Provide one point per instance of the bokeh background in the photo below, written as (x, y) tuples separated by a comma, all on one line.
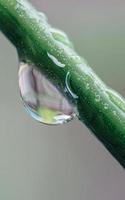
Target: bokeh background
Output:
[(63, 162)]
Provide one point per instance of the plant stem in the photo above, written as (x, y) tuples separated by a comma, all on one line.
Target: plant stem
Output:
[(99, 107)]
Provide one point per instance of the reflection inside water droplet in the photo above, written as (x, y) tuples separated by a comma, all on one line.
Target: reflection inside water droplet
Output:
[(41, 99)]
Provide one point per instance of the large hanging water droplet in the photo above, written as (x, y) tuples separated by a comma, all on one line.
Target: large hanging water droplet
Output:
[(41, 99)]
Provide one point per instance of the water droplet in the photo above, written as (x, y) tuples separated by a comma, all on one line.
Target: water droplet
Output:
[(57, 62), (98, 98), (117, 99), (68, 86), (105, 106), (87, 86), (115, 113), (41, 99), (61, 37)]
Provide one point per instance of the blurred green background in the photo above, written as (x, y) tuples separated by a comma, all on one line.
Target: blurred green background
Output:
[(63, 162)]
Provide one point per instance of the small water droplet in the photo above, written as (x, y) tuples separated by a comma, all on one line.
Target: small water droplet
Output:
[(61, 37), (97, 98), (87, 86), (114, 112), (68, 86), (41, 99), (106, 106), (57, 62)]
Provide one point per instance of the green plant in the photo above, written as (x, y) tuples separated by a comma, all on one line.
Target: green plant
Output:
[(98, 106)]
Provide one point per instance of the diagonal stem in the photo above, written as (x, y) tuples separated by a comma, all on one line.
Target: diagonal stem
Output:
[(98, 106)]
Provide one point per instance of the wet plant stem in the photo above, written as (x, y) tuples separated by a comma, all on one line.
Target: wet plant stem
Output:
[(98, 106)]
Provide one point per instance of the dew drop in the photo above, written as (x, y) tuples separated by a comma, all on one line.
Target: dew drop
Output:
[(41, 99), (57, 62), (115, 113), (68, 86), (98, 98), (87, 86), (105, 106)]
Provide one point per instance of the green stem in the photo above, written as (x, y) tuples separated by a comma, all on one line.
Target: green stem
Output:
[(99, 107)]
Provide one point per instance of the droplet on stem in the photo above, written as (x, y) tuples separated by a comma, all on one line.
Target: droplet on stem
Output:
[(68, 86), (41, 99)]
